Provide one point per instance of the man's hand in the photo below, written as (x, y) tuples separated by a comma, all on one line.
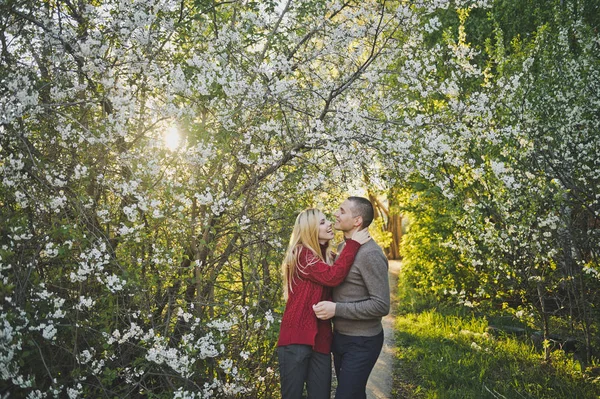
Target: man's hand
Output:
[(324, 310)]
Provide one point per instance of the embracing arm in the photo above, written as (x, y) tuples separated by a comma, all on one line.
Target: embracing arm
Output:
[(312, 268)]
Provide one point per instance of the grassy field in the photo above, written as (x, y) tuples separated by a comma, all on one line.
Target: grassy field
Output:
[(442, 354)]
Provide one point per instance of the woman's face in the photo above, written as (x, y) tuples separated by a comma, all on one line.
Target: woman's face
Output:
[(325, 229)]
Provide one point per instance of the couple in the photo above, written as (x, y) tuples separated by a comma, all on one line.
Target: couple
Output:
[(357, 282)]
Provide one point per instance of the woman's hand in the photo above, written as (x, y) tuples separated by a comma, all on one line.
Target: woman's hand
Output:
[(361, 236), (324, 310)]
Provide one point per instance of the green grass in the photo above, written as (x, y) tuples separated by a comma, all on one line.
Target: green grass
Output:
[(446, 355)]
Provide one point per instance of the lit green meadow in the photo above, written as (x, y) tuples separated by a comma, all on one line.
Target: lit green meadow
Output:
[(442, 355)]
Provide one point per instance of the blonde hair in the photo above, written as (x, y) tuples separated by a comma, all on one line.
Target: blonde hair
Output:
[(305, 234)]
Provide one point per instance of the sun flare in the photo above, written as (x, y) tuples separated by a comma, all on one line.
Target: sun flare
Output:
[(171, 138)]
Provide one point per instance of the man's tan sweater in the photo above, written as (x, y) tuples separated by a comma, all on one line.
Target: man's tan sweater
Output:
[(364, 296)]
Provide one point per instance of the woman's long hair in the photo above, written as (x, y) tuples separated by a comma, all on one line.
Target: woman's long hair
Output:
[(305, 233)]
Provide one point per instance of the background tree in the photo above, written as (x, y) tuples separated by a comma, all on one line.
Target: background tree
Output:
[(503, 163)]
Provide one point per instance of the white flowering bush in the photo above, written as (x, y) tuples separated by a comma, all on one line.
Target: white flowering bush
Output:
[(503, 196), (153, 155)]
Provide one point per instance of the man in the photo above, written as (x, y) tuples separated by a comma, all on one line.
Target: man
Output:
[(359, 304)]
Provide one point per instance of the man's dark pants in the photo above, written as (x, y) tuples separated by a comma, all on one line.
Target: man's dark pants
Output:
[(354, 358)]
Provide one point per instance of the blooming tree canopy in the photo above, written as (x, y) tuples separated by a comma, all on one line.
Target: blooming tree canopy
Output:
[(153, 155)]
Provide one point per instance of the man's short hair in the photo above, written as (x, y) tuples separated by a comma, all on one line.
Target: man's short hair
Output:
[(362, 207)]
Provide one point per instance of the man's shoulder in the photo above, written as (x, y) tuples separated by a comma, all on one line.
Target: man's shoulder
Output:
[(369, 247), (369, 251)]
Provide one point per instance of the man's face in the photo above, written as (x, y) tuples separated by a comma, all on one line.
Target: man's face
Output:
[(344, 220)]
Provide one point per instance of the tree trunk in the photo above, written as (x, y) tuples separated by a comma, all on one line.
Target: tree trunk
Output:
[(393, 223), (395, 227), (545, 322)]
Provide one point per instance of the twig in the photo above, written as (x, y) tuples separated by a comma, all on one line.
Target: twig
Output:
[(44, 361), (494, 393)]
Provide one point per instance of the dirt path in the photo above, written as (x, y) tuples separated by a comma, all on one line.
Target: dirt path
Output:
[(380, 381)]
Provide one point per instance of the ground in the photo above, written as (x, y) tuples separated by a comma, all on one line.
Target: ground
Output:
[(380, 381)]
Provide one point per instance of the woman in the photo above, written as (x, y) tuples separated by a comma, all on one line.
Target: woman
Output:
[(308, 275)]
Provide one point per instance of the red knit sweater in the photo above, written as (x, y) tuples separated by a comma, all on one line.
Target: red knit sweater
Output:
[(313, 284)]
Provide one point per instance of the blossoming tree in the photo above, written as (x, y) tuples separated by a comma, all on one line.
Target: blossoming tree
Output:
[(154, 155)]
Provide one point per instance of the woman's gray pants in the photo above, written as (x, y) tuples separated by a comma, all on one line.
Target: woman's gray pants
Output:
[(299, 364)]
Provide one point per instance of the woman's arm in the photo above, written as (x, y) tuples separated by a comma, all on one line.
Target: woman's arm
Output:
[(314, 269)]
